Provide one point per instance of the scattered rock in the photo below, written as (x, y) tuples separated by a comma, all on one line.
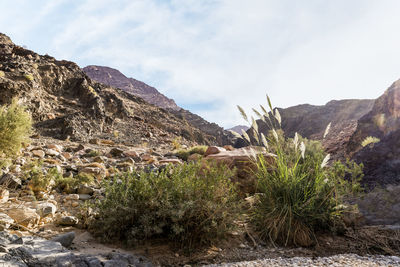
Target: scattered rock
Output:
[(213, 150), (85, 189), (171, 161), (4, 195), (24, 216), (38, 153), (67, 220), (65, 239), (5, 221), (10, 180), (47, 209), (116, 152)]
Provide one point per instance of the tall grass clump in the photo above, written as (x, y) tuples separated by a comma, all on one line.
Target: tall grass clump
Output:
[(185, 153), (300, 192), (191, 205), (15, 127)]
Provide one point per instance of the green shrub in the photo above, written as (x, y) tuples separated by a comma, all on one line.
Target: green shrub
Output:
[(191, 205), (39, 179), (370, 140), (299, 192), (29, 77), (15, 127), (185, 153), (70, 183)]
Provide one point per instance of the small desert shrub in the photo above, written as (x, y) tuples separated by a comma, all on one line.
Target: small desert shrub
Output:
[(29, 77), (191, 205), (93, 153), (370, 140), (39, 179), (185, 153), (299, 192), (70, 183), (15, 127), (176, 143), (2, 74)]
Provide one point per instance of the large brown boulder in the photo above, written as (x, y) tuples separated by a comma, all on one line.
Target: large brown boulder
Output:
[(244, 160)]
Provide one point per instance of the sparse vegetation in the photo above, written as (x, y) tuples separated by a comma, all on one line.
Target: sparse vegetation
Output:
[(92, 91), (70, 183), (2, 74), (15, 127), (176, 143), (370, 140), (29, 77), (299, 192), (185, 153), (191, 205)]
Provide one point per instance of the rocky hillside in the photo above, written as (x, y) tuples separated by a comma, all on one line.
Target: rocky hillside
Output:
[(311, 121), (115, 78), (66, 103)]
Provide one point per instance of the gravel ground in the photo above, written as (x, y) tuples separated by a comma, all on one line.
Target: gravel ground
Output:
[(333, 261)]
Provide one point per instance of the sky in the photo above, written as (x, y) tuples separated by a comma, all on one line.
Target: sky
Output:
[(211, 55)]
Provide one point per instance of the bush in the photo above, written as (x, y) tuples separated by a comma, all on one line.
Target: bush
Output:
[(15, 127), (39, 179), (191, 205), (185, 153), (370, 140), (299, 193)]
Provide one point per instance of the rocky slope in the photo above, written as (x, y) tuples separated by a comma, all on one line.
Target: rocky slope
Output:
[(311, 121), (115, 78), (65, 103)]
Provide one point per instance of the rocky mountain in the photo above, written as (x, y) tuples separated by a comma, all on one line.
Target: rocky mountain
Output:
[(239, 128), (66, 103), (115, 78)]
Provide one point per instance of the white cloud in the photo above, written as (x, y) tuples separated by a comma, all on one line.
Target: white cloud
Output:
[(228, 52)]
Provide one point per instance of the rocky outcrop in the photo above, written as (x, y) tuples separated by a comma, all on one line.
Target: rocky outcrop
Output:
[(115, 78), (66, 104), (383, 119), (311, 121)]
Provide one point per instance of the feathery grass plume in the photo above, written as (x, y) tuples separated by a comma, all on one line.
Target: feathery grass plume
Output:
[(302, 149), (275, 135), (237, 135), (327, 129), (264, 141), (264, 110), (370, 140), (296, 141), (246, 136), (325, 161), (269, 104), (243, 113), (259, 115), (254, 124), (277, 116)]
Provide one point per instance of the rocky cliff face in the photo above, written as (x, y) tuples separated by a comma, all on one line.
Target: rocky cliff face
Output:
[(65, 103), (115, 78)]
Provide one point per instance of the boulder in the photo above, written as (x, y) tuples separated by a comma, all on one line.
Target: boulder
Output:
[(24, 216), (38, 153), (243, 160), (65, 239), (47, 208), (67, 220), (10, 180), (213, 150), (85, 189), (5, 221)]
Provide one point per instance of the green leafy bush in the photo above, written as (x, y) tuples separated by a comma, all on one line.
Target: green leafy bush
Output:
[(39, 179), (185, 153), (191, 205), (67, 184), (15, 127), (299, 192)]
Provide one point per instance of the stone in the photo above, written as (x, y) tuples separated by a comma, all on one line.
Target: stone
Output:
[(47, 208), (228, 147), (52, 152), (97, 172), (147, 157), (80, 147), (5, 221), (65, 239), (38, 153), (116, 152), (72, 197), (66, 155), (99, 159), (94, 141), (4, 195), (131, 154), (171, 161), (24, 216), (85, 189), (10, 180), (68, 221), (84, 197), (74, 204), (213, 150), (55, 147)]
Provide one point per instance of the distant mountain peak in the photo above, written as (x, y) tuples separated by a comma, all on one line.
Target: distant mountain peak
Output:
[(115, 78)]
